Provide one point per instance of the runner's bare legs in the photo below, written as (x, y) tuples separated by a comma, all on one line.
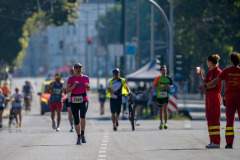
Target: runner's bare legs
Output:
[(58, 117)]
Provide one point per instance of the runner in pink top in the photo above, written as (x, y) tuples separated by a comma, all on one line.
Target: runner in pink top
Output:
[(78, 85), (80, 88)]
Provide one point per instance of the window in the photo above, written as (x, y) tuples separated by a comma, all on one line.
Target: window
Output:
[(74, 50)]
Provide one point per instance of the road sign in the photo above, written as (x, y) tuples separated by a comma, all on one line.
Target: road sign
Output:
[(130, 49), (173, 90)]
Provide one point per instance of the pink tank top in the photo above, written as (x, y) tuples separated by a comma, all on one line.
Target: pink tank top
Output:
[(80, 88)]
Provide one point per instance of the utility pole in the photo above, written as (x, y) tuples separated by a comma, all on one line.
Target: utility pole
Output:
[(86, 50), (97, 48), (170, 33), (171, 60), (138, 38), (64, 46), (152, 32), (106, 48), (124, 37)]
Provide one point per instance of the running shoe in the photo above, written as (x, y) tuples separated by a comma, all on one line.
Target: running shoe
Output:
[(58, 129), (165, 126), (213, 145), (229, 146), (0, 125), (83, 139), (19, 125), (161, 126), (114, 128), (78, 141), (117, 124), (53, 125), (72, 130)]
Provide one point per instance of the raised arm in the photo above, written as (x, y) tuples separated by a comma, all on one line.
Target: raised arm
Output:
[(70, 87), (201, 77)]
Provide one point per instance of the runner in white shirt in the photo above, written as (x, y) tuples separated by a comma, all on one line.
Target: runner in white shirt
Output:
[(17, 100), (68, 102)]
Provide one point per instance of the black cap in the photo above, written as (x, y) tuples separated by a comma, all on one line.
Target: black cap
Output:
[(115, 71), (77, 65)]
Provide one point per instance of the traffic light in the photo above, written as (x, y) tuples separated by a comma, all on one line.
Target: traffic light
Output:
[(89, 39), (179, 63)]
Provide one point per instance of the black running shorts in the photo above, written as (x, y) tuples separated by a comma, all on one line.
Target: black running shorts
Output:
[(161, 101), (67, 103), (115, 105)]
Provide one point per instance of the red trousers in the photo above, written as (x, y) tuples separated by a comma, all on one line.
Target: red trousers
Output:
[(232, 105), (213, 113)]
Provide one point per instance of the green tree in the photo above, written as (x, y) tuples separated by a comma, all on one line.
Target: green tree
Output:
[(204, 27), (201, 28), (21, 19)]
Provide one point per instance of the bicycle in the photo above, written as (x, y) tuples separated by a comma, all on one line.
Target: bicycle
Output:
[(27, 99), (131, 109)]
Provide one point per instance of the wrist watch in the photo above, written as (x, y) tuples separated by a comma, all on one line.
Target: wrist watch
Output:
[(205, 85)]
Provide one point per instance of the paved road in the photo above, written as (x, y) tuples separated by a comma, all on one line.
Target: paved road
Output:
[(183, 139)]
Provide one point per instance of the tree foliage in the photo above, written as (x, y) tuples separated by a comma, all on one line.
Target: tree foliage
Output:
[(21, 19)]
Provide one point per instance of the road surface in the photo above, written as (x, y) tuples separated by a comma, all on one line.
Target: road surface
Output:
[(36, 140)]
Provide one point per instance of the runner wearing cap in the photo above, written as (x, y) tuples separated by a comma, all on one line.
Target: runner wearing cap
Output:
[(117, 88), (56, 102), (78, 85)]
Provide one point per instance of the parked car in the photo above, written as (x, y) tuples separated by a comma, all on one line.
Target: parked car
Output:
[(44, 104)]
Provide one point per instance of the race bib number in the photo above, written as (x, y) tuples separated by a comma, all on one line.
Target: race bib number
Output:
[(57, 91), (163, 94), (77, 99)]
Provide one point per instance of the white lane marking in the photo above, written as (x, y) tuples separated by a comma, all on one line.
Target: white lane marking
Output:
[(102, 151), (102, 156), (103, 148), (105, 136)]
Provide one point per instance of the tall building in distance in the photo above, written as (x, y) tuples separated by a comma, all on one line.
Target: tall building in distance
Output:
[(53, 49)]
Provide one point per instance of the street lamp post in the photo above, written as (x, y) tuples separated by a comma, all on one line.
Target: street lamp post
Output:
[(170, 32)]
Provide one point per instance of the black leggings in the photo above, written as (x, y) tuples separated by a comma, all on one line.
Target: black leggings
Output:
[(83, 107)]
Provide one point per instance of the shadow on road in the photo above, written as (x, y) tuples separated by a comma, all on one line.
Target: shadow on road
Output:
[(47, 145), (182, 149)]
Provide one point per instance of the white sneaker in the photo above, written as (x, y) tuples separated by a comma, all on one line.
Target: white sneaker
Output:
[(58, 129), (53, 125), (212, 145)]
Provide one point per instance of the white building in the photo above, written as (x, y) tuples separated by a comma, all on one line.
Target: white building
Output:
[(52, 47)]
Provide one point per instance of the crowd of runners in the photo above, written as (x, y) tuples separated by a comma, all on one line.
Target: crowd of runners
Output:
[(77, 85)]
